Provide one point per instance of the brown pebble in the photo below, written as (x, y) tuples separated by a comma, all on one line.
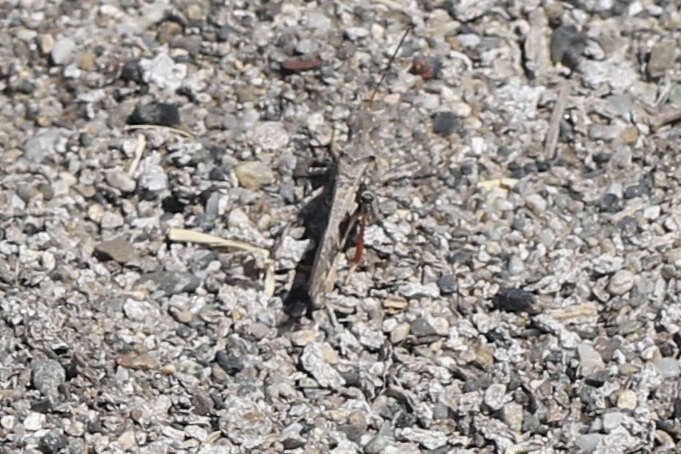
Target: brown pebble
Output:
[(629, 135), (300, 64), (142, 361), (421, 67), (117, 249), (87, 61)]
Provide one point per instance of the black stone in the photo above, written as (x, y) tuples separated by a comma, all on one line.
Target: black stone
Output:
[(602, 157), (609, 203), (132, 72), (567, 46), (514, 300), (52, 443), (229, 362), (543, 166), (155, 113), (224, 31), (217, 174), (172, 205), (445, 123), (297, 302), (628, 225), (598, 379), (293, 443), (637, 190), (218, 401), (447, 284)]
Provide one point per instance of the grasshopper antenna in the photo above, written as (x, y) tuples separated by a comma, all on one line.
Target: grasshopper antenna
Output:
[(384, 73)]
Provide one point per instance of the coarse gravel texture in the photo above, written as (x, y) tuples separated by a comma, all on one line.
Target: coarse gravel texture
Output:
[(512, 297)]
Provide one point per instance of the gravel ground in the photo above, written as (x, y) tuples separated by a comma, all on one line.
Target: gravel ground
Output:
[(520, 286)]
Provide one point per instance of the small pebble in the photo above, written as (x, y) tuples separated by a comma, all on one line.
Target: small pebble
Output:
[(513, 416), (447, 284), (271, 135), (111, 220), (589, 359), (229, 362), (135, 310), (126, 441), (303, 337), (445, 123), (47, 375), (495, 396), (514, 300), (399, 333), (63, 51), (155, 113), (46, 43), (627, 399), (117, 249), (34, 421), (567, 45), (621, 282), (121, 180), (254, 175), (53, 443), (8, 421), (662, 57), (668, 367)]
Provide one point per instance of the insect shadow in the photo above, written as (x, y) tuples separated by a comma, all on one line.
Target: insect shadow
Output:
[(314, 217)]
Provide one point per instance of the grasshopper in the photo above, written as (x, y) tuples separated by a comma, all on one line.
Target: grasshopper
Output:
[(345, 179)]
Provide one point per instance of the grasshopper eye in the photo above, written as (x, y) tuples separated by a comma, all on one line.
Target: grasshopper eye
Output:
[(366, 198)]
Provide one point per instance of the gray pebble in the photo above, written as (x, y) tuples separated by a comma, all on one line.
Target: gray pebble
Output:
[(355, 33), (135, 310), (607, 133), (589, 442), (121, 180), (47, 375), (171, 282), (651, 213), (416, 290), (399, 333), (43, 144), (254, 174), (117, 249), (589, 359), (307, 47), (314, 360), (34, 421), (271, 135), (447, 284), (111, 220), (513, 416), (612, 420), (662, 57), (668, 367), (536, 203), (153, 179), (163, 72), (621, 282), (495, 396), (429, 326), (63, 51), (515, 265)]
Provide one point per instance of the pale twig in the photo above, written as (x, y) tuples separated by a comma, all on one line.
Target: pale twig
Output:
[(141, 143), (664, 118), (554, 127), (179, 131), (190, 236)]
